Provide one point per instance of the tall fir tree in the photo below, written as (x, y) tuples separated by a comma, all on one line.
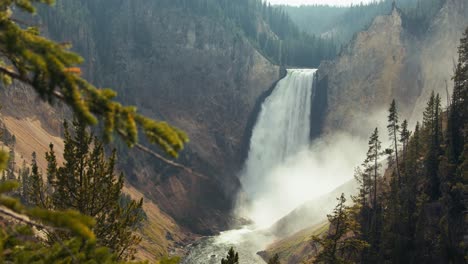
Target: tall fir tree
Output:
[(51, 169), (372, 219), (88, 184), (405, 135), (393, 130), (452, 169), (432, 127), (372, 164), (342, 243), (36, 194), (10, 175), (25, 182)]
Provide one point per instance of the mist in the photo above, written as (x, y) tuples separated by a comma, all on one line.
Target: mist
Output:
[(271, 191), (307, 175)]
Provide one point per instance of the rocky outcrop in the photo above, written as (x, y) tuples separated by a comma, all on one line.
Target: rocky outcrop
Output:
[(383, 63), (387, 62), (196, 72), (376, 67), (439, 53)]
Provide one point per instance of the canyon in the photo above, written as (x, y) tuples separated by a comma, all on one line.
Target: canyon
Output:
[(208, 79)]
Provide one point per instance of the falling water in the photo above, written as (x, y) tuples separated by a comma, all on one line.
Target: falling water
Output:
[(282, 130)]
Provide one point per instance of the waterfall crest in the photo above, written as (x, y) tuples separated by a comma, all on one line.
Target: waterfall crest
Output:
[(281, 131)]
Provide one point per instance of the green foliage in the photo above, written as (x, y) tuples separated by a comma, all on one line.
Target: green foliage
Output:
[(3, 160), (268, 27), (35, 194), (432, 123), (342, 243), (73, 237), (19, 243), (87, 183), (231, 258), (51, 69), (421, 219), (393, 130)]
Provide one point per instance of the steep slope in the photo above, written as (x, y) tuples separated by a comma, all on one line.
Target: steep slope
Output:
[(36, 124), (311, 212), (439, 52), (375, 68), (342, 22), (297, 248), (195, 71), (389, 62)]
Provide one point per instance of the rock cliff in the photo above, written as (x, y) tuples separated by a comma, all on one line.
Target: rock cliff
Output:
[(197, 72), (377, 66), (382, 63), (388, 62)]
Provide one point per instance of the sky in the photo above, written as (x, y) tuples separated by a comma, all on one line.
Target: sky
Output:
[(323, 2)]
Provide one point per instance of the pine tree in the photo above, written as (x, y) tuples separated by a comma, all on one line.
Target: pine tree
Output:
[(405, 135), (87, 183), (51, 169), (371, 216), (10, 175), (231, 258), (371, 165), (393, 242), (25, 182), (452, 169), (36, 192), (397, 215), (393, 130), (457, 110), (364, 178), (432, 125), (341, 244)]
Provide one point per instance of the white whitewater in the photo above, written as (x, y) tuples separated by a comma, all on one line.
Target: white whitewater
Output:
[(282, 131), (283, 170)]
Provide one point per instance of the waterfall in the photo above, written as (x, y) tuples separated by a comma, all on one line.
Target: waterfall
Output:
[(282, 130), (283, 171)]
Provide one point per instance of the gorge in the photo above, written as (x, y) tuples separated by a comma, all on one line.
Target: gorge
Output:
[(270, 149), (283, 170)]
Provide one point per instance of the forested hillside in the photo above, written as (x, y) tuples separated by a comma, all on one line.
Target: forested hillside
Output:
[(269, 28), (158, 160), (411, 204), (80, 213), (416, 211), (342, 23)]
